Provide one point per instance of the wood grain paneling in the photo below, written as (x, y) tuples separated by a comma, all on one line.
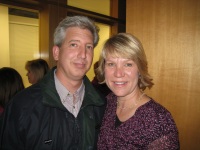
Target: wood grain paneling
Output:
[(170, 33)]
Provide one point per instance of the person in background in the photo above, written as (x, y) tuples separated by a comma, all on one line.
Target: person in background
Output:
[(132, 120), (63, 111), (10, 84), (102, 88), (36, 69)]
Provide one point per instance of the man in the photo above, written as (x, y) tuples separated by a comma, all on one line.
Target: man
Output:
[(63, 111)]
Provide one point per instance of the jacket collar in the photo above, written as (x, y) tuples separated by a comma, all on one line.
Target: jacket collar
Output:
[(51, 97)]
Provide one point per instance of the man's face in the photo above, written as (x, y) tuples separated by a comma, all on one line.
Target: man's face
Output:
[(74, 57)]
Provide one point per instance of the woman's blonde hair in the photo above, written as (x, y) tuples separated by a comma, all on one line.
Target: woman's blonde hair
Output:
[(39, 67), (127, 46)]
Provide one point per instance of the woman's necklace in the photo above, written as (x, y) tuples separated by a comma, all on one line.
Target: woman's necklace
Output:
[(123, 108)]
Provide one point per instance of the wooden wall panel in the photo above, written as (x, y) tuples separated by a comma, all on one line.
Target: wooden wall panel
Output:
[(170, 33), (50, 16)]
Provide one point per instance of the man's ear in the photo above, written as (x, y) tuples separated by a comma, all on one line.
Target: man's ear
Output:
[(56, 51)]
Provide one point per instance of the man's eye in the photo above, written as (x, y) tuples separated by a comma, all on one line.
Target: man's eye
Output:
[(73, 45), (89, 47)]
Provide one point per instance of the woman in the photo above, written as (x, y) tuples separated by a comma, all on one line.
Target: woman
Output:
[(36, 69), (132, 120), (10, 84)]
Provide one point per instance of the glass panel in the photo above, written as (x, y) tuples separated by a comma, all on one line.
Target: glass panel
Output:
[(98, 6), (24, 43), (104, 34), (19, 39)]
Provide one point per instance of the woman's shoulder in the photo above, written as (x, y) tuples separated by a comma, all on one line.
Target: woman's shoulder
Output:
[(111, 98), (153, 105), (27, 98), (155, 110)]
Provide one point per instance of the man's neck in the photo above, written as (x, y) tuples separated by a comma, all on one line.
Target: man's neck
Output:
[(70, 84)]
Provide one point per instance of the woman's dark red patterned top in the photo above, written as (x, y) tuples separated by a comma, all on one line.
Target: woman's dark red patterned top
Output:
[(152, 127)]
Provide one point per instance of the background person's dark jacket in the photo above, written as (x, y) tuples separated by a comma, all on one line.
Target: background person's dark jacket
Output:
[(36, 120)]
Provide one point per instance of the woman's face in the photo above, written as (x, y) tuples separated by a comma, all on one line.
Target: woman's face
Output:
[(121, 75), (31, 77)]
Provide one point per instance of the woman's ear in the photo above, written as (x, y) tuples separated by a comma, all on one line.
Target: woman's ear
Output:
[(56, 51)]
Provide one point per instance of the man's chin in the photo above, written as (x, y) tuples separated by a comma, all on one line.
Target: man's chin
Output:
[(79, 76)]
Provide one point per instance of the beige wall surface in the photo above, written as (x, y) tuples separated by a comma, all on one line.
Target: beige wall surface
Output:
[(170, 33), (4, 38)]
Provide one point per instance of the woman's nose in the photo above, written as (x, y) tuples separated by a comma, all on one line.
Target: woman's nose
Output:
[(119, 71)]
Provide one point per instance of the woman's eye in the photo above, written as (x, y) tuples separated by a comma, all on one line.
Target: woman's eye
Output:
[(110, 64), (128, 65)]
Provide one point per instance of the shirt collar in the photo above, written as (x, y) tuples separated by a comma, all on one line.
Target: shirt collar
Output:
[(63, 92)]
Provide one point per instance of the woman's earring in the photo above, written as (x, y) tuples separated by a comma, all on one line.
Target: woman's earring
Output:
[(140, 77)]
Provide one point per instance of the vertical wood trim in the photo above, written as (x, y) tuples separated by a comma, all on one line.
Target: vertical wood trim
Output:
[(50, 16), (114, 13)]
